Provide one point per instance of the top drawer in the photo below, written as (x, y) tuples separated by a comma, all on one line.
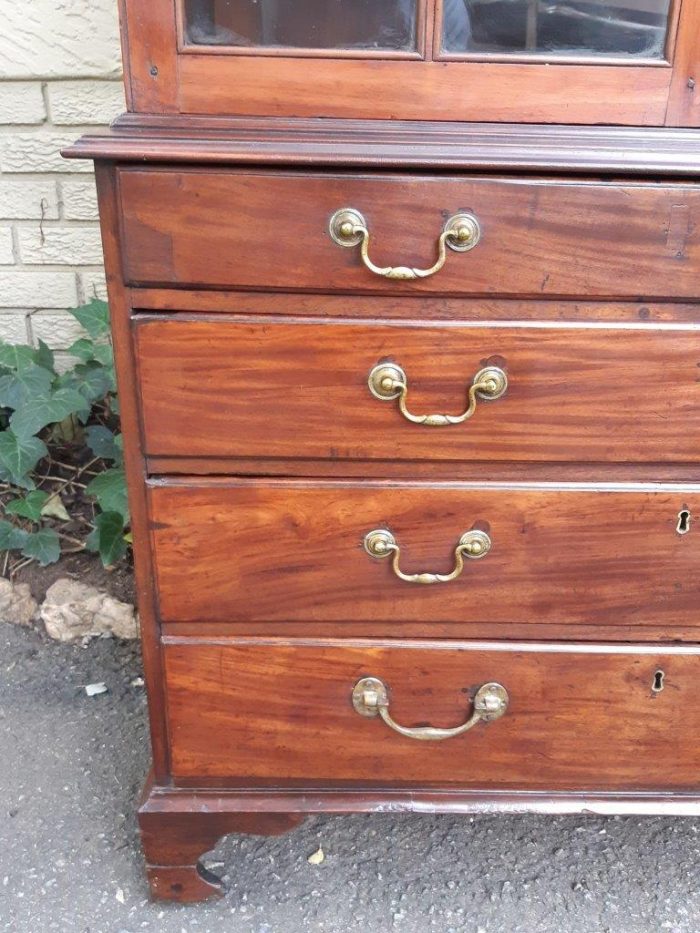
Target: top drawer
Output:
[(242, 229)]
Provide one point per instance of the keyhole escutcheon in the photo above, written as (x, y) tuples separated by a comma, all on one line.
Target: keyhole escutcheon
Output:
[(683, 526), (658, 682)]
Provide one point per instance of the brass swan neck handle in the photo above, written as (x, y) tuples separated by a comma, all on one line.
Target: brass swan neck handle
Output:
[(473, 545), (388, 381), (370, 697), (348, 229)]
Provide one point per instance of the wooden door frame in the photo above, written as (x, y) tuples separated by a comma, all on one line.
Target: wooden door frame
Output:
[(162, 79)]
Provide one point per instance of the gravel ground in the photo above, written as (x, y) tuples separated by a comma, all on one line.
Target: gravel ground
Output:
[(72, 766)]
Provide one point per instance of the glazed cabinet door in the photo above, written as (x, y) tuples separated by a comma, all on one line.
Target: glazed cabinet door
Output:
[(522, 61), (329, 26)]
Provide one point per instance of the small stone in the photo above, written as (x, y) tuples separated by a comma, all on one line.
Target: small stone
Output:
[(74, 611), (94, 690), (16, 603), (317, 858)]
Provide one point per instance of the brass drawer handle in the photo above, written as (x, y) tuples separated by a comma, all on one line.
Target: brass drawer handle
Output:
[(388, 381), (370, 697), (348, 228), (473, 545)]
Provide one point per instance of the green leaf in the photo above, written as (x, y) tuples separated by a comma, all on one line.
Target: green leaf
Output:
[(30, 507), (107, 538), (41, 410), (111, 372), (83, 349), (89, 351), (104, 443), (20, 455), (44, 546), (92, 380), (104, 354), (44, 356), (109, 488), (94, 317), (23, 385), (16, 356), (11, 538)]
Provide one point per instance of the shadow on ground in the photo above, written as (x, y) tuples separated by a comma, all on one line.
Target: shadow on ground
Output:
[(71, 768)]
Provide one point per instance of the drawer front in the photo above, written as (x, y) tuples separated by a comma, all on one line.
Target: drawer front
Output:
[(538, 237), (266, 551), (264, 389), (576, 719)]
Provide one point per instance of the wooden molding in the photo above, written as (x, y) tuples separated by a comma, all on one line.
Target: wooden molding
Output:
[(388, 144)]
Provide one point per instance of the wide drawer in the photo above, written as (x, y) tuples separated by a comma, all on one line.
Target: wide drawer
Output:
[(606, 718), (261, 388), (538, 237), (248, 550)]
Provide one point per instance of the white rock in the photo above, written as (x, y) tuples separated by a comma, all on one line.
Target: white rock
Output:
[(16, 603), (95, 690), (74, 610)]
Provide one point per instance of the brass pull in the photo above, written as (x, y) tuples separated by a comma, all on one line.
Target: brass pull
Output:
[(473, 545), (348, 229), (370, 697), (388, 381)]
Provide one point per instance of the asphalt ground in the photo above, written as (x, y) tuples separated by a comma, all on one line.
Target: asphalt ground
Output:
[(71, 768)]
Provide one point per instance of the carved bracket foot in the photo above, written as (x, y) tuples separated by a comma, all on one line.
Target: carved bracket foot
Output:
[(177, 829)]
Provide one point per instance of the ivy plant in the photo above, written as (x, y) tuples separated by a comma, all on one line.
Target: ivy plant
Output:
[(43, 411)]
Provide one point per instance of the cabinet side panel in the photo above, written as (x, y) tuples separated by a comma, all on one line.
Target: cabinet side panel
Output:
[(134, 462)]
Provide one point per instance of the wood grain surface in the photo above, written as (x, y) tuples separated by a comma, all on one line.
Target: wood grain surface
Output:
[(576, 720), (270, 388), (238, 550), (542, 238), (427, 144)]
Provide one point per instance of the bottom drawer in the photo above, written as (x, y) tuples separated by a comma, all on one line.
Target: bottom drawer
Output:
[(575, 717)]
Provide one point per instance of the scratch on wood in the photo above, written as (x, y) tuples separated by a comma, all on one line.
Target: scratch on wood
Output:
[(679, 228)]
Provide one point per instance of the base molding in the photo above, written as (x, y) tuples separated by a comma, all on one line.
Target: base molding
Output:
[(179, 825)]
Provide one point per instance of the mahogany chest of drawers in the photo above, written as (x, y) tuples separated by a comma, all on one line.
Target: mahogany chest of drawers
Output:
[(412, 418)]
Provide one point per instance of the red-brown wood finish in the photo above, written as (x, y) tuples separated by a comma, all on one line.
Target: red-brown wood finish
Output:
[(574, 394), (414, 144), (684, 99), (180, 825), (261, 551), (578, 718), (539, 237), (424, 308), (257, 459), (175, 837), (134, 464), (389, 90), (201, 80)]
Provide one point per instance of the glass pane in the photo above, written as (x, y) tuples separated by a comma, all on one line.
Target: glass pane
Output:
[(626, 28), (303, 24)]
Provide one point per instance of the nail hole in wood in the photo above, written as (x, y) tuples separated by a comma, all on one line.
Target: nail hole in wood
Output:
[(683, 526), (658, 684)]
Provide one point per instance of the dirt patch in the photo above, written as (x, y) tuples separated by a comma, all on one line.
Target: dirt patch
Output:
[(85, 567)]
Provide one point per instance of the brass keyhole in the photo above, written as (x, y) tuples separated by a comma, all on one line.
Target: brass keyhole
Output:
[(658, 684), (683, 526)]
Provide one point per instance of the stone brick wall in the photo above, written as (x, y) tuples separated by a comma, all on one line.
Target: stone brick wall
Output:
[(60, 70)]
